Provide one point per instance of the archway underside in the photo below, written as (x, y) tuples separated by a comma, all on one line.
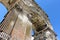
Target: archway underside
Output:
[(18, 13)]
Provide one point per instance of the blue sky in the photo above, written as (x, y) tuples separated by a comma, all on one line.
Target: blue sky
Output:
[(51, 7), (3, 11)]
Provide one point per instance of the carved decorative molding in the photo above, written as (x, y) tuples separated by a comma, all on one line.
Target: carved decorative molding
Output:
[(4, 36)]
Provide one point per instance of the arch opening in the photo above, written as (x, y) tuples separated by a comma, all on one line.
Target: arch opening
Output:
[(3, 11)]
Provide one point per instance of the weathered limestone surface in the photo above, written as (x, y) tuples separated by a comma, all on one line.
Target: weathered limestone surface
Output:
[(22, 17)]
